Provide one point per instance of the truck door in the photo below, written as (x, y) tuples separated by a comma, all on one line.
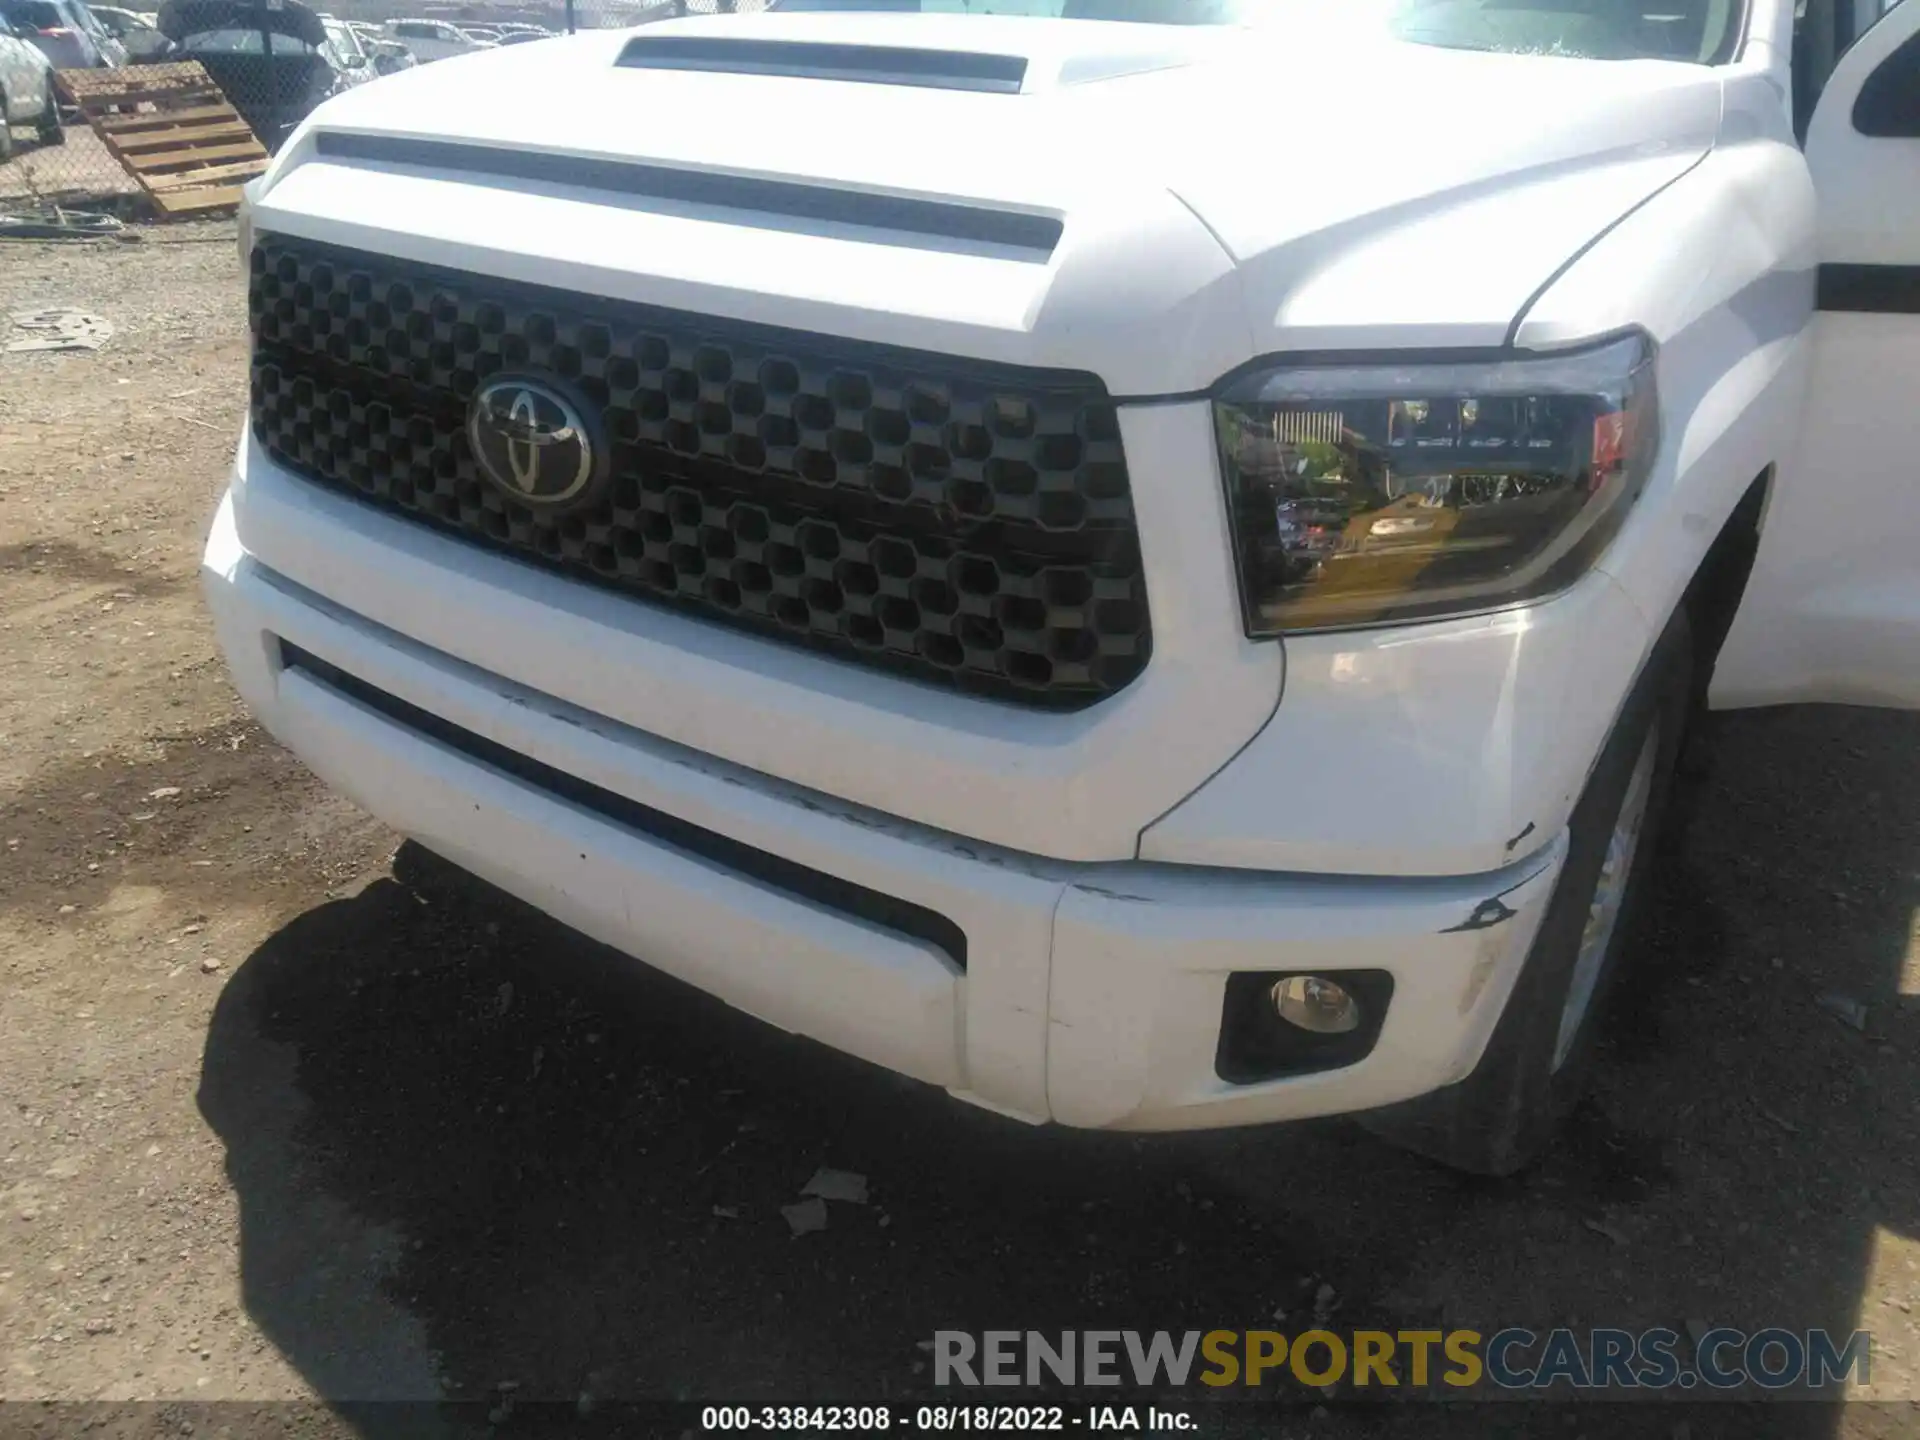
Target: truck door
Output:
[(1832, 608)]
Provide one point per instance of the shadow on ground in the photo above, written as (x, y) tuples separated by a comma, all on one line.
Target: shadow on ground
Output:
[(473, 1150)]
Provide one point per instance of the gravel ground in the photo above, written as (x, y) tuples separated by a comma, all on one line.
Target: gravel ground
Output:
[(289, 1111)]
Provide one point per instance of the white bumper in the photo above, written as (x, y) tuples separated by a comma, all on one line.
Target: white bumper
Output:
[(1091, 993)]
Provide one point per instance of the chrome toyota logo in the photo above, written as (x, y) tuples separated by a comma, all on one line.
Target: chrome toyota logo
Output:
[(533, 441)]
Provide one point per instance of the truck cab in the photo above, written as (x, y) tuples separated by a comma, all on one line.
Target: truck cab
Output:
[(1148, 563)]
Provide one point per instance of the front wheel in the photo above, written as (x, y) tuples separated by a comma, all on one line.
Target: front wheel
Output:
[(1534, 1069)]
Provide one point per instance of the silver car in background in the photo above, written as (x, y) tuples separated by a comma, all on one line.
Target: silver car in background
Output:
[(26, 92), (143, 43), (435, 39), (66, 32)]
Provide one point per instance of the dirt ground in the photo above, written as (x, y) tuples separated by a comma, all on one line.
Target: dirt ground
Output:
[(288, 1110)]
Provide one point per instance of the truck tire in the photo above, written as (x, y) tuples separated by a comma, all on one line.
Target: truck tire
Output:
[(48, 125), (1534, 1070)]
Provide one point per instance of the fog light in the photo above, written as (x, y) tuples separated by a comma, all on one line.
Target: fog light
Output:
[(1316, 1004), (1275, 1023)]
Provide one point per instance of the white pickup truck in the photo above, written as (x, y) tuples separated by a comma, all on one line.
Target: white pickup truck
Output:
[(1143, 561)]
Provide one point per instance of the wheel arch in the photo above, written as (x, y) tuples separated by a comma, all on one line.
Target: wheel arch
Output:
[(1712, 597)]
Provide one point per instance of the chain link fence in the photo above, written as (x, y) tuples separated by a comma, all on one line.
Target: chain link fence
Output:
[(143, 135)]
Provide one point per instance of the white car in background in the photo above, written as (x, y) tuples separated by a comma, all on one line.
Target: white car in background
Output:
[(138, 35), (27, 95), (386, 54), (435, 39), (352, 58)]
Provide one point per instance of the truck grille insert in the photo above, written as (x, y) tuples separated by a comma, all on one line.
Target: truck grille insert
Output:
[(962, 523)]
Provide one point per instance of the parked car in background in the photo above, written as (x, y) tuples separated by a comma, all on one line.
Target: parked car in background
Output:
[(26, 92), (66, 32), (384, 54), (481, 32), (390, 57), (521, 37), (350, 55), (274, 64), (434, 39), (138, 36)]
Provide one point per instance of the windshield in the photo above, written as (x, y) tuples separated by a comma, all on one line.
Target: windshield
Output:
[(1706, 31), (242, 42), (346, 44), (34, 16)]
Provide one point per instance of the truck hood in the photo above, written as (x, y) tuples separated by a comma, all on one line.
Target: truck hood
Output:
[(1154, 203)]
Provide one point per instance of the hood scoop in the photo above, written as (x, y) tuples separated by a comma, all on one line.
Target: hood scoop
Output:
[(821, 209), (815, 60)]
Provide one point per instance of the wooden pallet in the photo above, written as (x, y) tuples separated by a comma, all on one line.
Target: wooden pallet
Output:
[(173, 131)]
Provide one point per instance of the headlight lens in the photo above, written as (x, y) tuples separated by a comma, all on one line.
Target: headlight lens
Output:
[(1374, 494)]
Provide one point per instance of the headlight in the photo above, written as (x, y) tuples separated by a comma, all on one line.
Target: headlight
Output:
[(1369, 494)]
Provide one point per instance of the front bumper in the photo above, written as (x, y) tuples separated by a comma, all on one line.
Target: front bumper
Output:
[(1091, 994)]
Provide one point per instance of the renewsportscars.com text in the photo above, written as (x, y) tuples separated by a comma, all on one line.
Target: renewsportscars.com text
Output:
[(1507, 1359)]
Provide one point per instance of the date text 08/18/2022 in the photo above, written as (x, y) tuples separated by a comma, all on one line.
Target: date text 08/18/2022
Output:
[(996, 1419)]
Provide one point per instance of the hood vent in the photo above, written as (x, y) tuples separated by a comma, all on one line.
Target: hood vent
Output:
[(932, 223), (806, 60)]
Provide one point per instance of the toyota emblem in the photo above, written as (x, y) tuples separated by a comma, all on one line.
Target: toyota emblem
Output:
[(532, 441)]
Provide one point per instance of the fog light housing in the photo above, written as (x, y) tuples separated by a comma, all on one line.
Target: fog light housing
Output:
[(1317, 1004), (1275, 1024)]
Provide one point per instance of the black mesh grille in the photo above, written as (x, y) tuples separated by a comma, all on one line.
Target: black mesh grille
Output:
[(964, 523)]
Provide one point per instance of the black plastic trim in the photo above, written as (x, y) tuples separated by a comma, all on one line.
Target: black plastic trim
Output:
[(872, 64), (937, 218), (1505, 353), (795, 880), (1256, 1044), (1870, 289)]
